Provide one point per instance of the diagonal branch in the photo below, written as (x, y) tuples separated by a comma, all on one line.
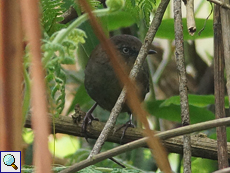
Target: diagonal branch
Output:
[(130, 90)]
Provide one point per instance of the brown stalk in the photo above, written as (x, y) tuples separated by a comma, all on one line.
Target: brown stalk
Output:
[(219, 88), (183, 88), (133, 100), (40, 124), (11, 53)]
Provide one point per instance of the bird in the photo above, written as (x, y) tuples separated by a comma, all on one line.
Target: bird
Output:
[(101, 82)]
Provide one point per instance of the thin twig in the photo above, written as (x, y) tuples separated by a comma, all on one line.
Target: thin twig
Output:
[(180, 60), (163, 64), (206, 20), (132, 98), (108, 47)]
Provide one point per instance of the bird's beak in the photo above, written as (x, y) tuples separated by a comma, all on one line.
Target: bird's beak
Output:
[(152, 51)]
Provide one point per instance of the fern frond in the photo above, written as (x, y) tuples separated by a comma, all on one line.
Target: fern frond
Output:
[(140, 9), (132, 8), (65, 53), (51, 15), (146, 8)]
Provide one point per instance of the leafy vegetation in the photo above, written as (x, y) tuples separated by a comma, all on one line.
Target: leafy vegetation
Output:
[(72, 43), (166, 29)]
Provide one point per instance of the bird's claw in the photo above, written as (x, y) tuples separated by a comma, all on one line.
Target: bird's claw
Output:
[(91, 119), (87, 120), (126, 126)]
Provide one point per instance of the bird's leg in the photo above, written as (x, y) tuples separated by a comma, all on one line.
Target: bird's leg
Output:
[(126, 125), (88, 119)]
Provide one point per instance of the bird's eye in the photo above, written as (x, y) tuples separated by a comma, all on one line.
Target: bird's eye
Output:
[(125, 50)]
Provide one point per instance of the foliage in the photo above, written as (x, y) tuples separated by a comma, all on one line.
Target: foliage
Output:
[(51, 15), (56, 146), (204, 165), (61, 44), (140, 9), (166, 30), (170, 108), (65, 54)]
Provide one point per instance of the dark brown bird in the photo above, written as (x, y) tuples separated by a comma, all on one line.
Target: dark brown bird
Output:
[(101, 82)]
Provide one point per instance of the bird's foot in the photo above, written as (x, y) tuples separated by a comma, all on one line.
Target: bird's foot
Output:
[(87, 120), (126, 126)]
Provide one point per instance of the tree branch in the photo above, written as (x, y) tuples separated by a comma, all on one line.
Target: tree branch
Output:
[(222, 4), (201, 145), (69, 15)]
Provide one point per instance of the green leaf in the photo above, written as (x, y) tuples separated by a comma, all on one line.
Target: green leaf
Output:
[(52, 11), (27, 90), (68, 60), (204, 165), (115, 5), (59, 146), (172, 112), (146, 7), (132, 8), (195, 100), (166, 29), (140, 10), (84, 50), (118, 20)]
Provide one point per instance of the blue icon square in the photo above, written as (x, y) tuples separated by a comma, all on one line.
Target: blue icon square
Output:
[(10, 161)]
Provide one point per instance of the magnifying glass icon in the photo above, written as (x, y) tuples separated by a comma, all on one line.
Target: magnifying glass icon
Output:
[(9, 160)]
